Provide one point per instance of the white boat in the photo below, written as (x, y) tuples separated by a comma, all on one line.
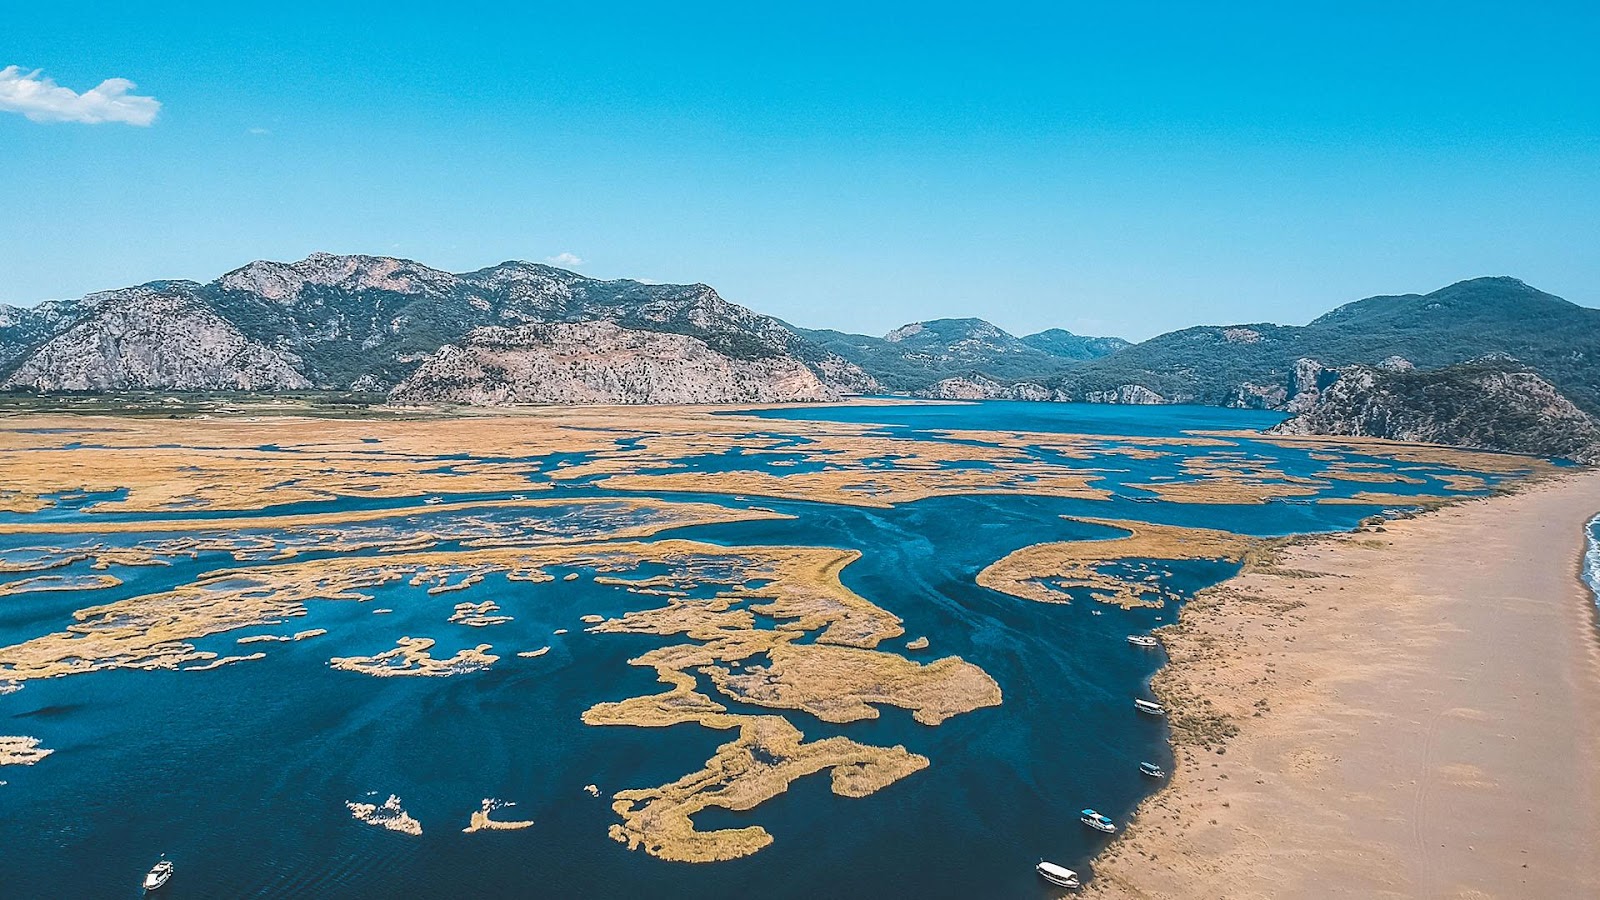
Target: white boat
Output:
[(1149, 707), (1060, 876), (1143, 640), (159, 875), (1151, 769), (1098, 822), (434, 501)]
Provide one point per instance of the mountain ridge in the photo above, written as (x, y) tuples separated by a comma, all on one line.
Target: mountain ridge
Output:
[(378, 324), (1063, 343), (367, 322), (918, 356), (1253, 365)]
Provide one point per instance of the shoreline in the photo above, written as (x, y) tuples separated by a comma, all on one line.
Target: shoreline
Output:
[(1409, 711)]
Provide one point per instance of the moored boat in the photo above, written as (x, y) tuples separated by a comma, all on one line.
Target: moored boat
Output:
[(1143, 640), (1151, 769), (1096, 821), (158, 875), (1060, 876), (1149, 707)]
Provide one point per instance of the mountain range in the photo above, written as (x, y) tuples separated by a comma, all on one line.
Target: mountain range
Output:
[(1254, 365), (358, 323), (522, 332), (917, 356), (371, 324)]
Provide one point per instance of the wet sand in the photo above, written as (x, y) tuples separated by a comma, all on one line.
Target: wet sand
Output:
[(1405, 713)]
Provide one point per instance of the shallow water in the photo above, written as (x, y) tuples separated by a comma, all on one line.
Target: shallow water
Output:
[(240, 774)]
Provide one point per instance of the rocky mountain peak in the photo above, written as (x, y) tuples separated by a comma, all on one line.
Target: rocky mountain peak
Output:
[(904, 332), (1066, 345), (917, 356), (696, 304), (516, 271), (529, 289), (284, 282), (951, 332), (1485, 302), (117, 295)]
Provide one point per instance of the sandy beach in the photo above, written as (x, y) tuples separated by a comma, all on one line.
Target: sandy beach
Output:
[(1404, 713)]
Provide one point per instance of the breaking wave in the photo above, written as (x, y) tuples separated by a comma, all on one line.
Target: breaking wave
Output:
[(1591, 559)]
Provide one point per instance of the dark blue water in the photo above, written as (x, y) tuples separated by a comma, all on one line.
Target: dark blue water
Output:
[(241, 774)]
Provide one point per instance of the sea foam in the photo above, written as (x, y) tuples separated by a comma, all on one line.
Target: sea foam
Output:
[(1591, 558)]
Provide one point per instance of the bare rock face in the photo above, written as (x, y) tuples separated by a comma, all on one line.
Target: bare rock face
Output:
[(979, 387), (1134, 394), (843, 375), (155, 337), (1490, 405), (904, 332), (601, 362), (20, 330), (1258, 396), (1306, 384)]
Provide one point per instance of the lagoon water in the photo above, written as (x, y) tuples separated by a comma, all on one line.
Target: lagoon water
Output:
[(240, 774)]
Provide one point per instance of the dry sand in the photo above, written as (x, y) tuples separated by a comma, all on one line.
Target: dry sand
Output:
[(1415, 713)]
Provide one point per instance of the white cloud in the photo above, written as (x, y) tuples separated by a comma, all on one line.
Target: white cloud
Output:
[(42, 100), (566, 260), (260, 131)]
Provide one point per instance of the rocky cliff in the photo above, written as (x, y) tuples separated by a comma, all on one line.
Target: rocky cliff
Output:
[(155, 337), (1489, 404), (601, 362), (979, 387)]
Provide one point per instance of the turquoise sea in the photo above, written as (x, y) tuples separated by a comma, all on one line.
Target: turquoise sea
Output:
[(240, 774)]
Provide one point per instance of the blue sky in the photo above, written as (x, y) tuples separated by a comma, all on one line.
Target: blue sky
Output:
[(1109, 168)]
